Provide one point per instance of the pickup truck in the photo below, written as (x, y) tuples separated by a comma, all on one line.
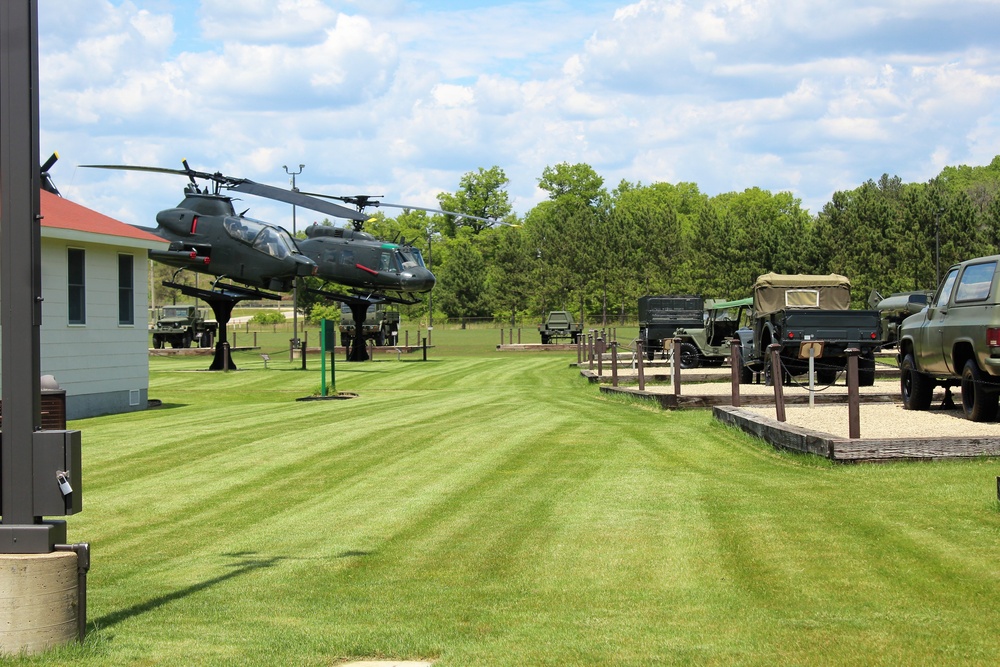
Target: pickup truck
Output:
[(955, 341), (798, 311)]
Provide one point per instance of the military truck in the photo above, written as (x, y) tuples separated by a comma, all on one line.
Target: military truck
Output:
[(704, 327), (179, 326), (381, 325), (559, 324), (800, 312), (955, 341)]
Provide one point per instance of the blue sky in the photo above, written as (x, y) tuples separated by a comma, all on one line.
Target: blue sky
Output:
[(402, 97)]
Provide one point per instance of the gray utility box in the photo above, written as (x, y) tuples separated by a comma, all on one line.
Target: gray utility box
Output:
[(56, 464)]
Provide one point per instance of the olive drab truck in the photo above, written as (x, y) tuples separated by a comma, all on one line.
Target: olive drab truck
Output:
[(801, 312), (559, 324), (955, 341), (180, 326)]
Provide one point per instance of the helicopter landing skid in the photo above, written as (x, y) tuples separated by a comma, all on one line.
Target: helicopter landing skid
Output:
[(222, 300)]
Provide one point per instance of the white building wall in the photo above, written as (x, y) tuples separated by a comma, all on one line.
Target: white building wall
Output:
[(103, 366)]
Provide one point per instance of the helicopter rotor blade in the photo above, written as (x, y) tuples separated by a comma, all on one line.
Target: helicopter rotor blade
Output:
[(297, 199), (363, 201), (190, 173)]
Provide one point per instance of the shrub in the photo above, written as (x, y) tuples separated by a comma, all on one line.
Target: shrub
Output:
[(269, 317)]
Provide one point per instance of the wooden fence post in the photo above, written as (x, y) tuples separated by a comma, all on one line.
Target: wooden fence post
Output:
[(777, 379), (853, 394), (735, 366)]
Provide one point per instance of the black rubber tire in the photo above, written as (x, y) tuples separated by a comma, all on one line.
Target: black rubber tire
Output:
[(157, 343), (979, 398), (690, 357), (545, 339), (826, 375), (746, 375), (916, 388), (866, 371), (207, 339)]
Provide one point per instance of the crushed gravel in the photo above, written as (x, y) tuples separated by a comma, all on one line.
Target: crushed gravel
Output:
[(878, 420)]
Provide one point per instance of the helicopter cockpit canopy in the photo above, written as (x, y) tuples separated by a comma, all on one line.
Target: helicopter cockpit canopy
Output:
[(268, 239), (410, 257)]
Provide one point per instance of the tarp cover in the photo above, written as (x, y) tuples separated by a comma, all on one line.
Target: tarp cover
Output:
[(775, 291)]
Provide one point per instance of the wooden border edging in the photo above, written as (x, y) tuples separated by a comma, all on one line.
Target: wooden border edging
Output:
[(844, 450), (675, 402)]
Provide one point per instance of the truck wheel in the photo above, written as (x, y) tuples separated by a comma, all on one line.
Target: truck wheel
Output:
[(157, 343), (689, 356), (866, 371), (979, 398), (188, 337), (545, 339), (206, 339), (916, 388), (746, 375), (826, 375)]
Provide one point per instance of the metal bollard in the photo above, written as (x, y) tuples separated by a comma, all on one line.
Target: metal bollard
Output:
[(853, 394), (777, 378)]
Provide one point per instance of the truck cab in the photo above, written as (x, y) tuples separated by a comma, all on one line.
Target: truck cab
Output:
[(955, 341)]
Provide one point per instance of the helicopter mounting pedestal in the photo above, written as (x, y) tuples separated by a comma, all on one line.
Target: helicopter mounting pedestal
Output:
[(222, 300)]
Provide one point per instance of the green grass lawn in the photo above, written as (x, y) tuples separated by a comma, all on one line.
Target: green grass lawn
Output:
[(489, 508)]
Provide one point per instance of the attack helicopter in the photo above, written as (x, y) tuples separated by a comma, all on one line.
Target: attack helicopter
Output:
[(206, 234)]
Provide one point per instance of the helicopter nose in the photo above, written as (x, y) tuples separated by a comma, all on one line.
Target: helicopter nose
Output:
[(418, 280), (305, 266)]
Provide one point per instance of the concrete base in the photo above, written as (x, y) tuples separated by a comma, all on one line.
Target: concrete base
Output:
[(39, 601)]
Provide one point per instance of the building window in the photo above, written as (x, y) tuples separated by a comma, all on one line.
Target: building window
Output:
[(126, 292), (76, 283)]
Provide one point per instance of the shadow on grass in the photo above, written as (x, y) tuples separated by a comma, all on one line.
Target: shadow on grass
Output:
[(156, 404), (244, 565)]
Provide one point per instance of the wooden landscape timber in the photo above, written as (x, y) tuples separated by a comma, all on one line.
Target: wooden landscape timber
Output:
[(847, 450)]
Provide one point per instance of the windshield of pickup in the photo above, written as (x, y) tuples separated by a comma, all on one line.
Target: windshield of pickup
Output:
[(945, 294), (975, 282)]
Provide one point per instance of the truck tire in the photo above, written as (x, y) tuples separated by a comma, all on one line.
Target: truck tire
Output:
[(746, 375), (157, 342), (916, 388), (690, 357), (545, 339), (979, 397), (826, 375), (206, 339), (866, 371)]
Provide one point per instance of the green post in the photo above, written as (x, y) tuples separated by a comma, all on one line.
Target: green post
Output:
[(322, 357), (327, 332)]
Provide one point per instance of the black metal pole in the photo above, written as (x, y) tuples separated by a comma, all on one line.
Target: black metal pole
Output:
[(20, 277)]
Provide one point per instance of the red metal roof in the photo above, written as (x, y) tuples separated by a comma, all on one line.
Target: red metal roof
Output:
[(63, 214)]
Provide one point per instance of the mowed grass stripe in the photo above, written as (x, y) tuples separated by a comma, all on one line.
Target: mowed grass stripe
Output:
[(497, 510)]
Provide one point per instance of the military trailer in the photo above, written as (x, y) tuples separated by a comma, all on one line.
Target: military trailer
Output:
[(381, 325), (559, 324), (803, 312), (179, 326)]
